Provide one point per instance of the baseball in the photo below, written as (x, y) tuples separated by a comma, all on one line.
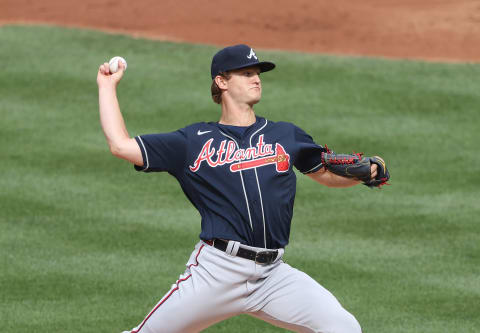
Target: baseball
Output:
[(113, 63)]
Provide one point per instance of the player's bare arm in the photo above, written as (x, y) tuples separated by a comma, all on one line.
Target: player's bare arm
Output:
[(113, 125)]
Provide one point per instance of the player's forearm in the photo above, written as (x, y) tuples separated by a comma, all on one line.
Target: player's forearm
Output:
[(111, 118), (339, 181), (330, 179)]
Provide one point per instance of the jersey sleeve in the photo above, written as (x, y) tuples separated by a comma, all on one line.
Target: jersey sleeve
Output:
[(163, 152), (309, 157)]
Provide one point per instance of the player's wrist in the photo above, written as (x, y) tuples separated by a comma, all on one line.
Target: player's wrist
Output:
[(107, 86)]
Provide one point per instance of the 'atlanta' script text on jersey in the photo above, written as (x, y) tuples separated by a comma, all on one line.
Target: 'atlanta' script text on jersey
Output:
[(246, 158)]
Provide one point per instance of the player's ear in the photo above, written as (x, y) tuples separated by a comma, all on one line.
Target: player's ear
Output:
[(221, 81)]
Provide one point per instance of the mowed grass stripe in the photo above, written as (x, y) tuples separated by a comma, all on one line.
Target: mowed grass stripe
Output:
[(87, 244)]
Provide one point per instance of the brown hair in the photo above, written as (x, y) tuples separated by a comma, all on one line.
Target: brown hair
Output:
[(216, 91)]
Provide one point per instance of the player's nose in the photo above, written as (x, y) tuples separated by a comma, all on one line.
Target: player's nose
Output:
[(256, 78)]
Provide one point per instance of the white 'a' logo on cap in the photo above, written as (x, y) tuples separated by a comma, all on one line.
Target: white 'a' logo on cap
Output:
[(252, 54)]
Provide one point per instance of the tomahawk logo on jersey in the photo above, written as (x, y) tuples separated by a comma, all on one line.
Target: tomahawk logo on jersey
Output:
[(240, 179)]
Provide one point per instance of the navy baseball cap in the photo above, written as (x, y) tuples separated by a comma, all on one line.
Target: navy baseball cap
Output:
[(237, 57)]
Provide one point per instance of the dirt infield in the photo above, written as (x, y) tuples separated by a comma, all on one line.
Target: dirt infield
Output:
[(445, 30)]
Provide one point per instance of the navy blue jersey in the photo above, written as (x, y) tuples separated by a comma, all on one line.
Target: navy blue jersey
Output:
[(241, 180)]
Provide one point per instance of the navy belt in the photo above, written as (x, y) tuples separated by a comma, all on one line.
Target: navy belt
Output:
[(261, 257)]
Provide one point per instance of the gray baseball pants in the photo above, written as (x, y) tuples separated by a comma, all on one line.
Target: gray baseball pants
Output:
[(216, 286)]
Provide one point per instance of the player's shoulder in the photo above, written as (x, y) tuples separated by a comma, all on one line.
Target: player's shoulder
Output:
[(282, 125), (288, 129)]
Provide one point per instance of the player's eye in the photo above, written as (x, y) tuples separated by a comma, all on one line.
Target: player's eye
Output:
[(251, 73)]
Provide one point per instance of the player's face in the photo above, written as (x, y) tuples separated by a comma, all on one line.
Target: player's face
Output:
[(245, 86)]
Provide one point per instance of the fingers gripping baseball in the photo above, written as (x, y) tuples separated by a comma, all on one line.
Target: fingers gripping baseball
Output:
[(111, 73)]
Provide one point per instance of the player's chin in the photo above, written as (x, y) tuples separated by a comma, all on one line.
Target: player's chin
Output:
[(255, 96), (253, 101)]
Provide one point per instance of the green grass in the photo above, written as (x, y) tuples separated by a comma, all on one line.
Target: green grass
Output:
[(87, 244)]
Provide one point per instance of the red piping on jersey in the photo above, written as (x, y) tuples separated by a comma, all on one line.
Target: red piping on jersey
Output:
[(171, 292)]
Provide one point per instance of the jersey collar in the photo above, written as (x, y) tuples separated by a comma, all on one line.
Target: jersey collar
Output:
[(230, 130)]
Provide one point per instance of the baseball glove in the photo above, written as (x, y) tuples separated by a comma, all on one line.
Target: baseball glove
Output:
[(382, 173), (356, 166)]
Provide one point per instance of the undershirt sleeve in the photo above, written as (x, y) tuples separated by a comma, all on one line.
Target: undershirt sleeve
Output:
[(309, 157), (163, 152)]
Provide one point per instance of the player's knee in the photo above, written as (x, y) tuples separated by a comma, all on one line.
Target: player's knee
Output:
[(349, 324), (339, 321), (344, 322)]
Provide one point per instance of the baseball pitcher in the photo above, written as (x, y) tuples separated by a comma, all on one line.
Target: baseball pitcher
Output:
[(238, 173)]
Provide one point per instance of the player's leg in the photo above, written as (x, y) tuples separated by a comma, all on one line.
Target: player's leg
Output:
[(297, 302), (203, 295)]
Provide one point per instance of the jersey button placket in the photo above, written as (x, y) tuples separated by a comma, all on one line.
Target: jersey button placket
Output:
[(254, 203)]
